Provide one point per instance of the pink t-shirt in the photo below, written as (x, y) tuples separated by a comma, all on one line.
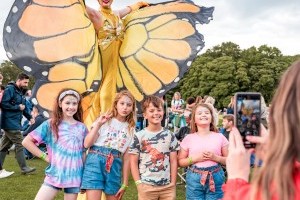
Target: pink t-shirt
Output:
[(213, 142)]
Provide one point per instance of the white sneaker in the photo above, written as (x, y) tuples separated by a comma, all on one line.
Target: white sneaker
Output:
[(4, 173)]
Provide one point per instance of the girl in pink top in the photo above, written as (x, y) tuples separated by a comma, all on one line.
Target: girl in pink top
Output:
[(202, 152)]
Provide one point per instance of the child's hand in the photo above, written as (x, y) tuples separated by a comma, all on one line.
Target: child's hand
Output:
[(199, 157), (120, 193), (207, 155), (103, 118)]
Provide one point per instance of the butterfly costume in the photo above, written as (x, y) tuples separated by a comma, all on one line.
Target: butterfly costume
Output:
[(146, 53)]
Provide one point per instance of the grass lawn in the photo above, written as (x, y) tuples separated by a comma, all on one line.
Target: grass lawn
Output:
[(25, 187)]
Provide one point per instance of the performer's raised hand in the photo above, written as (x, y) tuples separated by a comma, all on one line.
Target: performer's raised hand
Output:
[(138, 5)]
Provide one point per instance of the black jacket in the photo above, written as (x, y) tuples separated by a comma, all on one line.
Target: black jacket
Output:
[(10, 105)]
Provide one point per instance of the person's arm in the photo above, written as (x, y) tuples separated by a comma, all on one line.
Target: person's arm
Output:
[(126, 172), (134, 166), (185, 161), (7, 97), (96, 18), (125, 11), (93, 135), (173, 167), (29, 144), (216, 158)]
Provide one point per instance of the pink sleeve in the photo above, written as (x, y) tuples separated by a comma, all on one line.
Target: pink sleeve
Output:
[(224, 141), (185, 143)]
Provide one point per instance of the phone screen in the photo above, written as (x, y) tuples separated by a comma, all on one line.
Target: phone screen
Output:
[(247, 115)]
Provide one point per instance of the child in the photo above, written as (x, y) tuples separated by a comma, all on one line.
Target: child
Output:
[(153, 155), (108, 141), (64, 136), (203, 151)]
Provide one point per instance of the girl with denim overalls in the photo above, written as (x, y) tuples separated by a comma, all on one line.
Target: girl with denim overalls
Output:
[(202, 152), (108, 142)]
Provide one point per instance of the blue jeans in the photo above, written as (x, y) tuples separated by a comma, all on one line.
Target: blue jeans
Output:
[(196, 191)]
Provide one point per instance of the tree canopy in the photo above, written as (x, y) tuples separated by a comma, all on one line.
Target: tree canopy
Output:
[(226, 69)]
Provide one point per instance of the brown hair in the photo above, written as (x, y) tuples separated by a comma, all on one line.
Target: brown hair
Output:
[(193, 125), (283, 143), (229, 118), (156, 101), (57, 114), (130, 119)]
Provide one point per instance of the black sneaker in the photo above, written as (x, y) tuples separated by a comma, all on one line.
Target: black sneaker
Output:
[(27, 170)]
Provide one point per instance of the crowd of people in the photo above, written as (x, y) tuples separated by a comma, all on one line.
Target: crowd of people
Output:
[(154, 153)]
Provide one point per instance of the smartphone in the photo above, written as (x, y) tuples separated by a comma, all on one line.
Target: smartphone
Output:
[(247, 111)]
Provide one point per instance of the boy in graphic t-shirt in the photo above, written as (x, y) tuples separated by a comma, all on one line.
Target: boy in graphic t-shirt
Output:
[(153, 155)]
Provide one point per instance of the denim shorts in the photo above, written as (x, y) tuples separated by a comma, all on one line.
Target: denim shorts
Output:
[(95, 176), (196, 191), (71, 190)]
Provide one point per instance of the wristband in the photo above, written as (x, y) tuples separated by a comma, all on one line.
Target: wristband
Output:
[(124, 187), (190, 160), (138, 182), (43, 156)]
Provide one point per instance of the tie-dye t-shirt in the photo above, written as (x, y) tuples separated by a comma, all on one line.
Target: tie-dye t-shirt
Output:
[(154, 155), (65, 154), (114, 134)]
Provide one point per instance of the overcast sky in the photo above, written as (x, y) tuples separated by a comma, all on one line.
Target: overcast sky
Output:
[(244, 22)]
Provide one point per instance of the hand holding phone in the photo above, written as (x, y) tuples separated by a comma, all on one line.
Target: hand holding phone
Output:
[(247, 110)]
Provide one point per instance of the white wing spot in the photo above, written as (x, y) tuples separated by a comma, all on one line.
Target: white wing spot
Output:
[(46, 114), (176, 80), (26, 68), (44, 73), (161, 91), (8, 29), (34, 101), (189, 63), (15, 9)]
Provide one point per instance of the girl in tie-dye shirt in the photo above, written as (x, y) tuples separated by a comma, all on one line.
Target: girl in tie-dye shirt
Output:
[(64, 135)]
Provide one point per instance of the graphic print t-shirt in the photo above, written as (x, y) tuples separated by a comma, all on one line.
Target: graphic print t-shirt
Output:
[(154, 155), (114, 134)]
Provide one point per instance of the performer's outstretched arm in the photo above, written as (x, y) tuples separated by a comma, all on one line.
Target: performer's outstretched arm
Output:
[(125, 11), (96, 17)]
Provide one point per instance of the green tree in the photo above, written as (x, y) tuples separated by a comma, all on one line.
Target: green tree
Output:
[(226, 69), (10, 72)]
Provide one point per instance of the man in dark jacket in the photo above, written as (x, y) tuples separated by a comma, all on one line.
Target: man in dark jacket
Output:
[(13, 108)]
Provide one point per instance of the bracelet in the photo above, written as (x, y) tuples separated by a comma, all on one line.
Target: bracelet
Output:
[(43, 156), (190, 160), (138, 182), (124, 187)]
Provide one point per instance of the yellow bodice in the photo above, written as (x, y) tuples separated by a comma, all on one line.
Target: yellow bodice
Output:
[(111, 30)]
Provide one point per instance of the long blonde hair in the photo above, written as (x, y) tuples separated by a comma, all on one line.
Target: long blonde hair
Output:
[(212, 126), (130, 119), (283, 144)]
